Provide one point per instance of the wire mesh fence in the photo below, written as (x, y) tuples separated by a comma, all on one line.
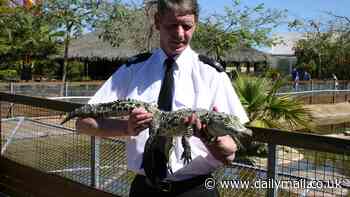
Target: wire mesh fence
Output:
[(310, 85), (321, 96), (51, 89), (313, 173), (88, 88), (31, 135)]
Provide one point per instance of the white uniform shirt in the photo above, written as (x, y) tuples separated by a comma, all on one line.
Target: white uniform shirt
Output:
[(197, 85)]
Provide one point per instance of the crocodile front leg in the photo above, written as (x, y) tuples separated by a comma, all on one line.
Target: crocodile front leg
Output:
[(186, 155)]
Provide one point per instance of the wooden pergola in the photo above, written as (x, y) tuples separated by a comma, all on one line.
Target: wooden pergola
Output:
[(241, 56), (247, 56), (100, 58)]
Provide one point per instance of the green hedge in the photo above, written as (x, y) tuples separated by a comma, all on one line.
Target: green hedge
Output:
[(8, 74)]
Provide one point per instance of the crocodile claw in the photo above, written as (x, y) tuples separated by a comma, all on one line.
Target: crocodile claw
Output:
[(186, 155)]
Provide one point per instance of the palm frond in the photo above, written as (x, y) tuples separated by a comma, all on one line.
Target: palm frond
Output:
[(265, 108)]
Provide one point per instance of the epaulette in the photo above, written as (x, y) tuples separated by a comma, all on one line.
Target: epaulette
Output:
[(211, 62), (138, 58)]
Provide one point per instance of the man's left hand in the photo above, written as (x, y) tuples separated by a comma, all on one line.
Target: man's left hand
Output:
[(223, 148)]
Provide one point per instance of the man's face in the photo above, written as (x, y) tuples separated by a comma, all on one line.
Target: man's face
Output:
[(175, 31)]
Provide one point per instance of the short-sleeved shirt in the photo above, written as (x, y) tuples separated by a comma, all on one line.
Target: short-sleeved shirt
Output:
[(196, 85)]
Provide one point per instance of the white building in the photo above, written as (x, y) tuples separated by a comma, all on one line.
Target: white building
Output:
[(283, 57)]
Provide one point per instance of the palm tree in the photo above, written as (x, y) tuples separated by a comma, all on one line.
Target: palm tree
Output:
[(267, 109)]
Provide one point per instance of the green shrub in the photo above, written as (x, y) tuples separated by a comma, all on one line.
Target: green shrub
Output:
[(46, 68), (8, 74), (75, 71)]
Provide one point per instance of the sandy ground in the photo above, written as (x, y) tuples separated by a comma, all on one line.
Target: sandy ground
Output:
[(326, 114)]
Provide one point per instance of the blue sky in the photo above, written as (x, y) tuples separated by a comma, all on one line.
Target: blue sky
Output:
[(297, 9), (300, 9)]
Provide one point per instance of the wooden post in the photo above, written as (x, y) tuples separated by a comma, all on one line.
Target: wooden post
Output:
[(346, 96)]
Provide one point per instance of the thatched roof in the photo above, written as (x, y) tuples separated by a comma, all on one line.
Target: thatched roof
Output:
[(245, 54), (91, 47), (239, 55)]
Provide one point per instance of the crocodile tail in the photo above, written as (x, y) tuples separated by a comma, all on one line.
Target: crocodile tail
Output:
[(149, 155), (153, 161), (80, 111), (69, 116), (83, 111)]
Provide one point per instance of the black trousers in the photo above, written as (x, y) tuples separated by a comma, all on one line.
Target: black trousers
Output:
[(187, 188)]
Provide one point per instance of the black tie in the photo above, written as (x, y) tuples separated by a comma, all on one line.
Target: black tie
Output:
[(166, 91), (161, 143)]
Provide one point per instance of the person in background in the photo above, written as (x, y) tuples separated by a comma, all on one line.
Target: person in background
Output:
[(335, 81), (307, 76), (295, 76)]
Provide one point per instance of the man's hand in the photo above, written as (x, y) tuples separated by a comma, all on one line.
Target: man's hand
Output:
[(223, 148), (139, 119)]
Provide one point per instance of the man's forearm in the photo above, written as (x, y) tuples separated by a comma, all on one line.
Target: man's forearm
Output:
[(102, 127)]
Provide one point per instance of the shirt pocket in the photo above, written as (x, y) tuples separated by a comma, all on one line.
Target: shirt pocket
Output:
[(183, 99)]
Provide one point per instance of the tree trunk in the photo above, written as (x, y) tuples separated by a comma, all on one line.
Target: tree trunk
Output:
[(65, 64), (149, 38), (319, 66)]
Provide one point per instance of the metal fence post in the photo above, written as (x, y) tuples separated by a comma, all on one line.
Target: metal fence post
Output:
[(334, 91), (312, 92), (92, 162), (272, 169), (12, 89), (95, 162), (66, 88)]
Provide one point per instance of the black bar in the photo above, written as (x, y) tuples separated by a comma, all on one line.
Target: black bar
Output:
[(39, 102), (302, 140)]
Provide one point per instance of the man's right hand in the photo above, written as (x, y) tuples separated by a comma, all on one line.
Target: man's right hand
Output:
[(139, 120)]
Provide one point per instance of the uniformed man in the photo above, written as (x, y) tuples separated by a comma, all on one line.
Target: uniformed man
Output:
[(195, 82)]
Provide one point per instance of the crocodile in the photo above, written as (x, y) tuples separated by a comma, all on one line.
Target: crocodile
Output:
[(170, 124)]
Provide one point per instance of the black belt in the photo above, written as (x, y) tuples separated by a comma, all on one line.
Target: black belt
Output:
[(171, 186)]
